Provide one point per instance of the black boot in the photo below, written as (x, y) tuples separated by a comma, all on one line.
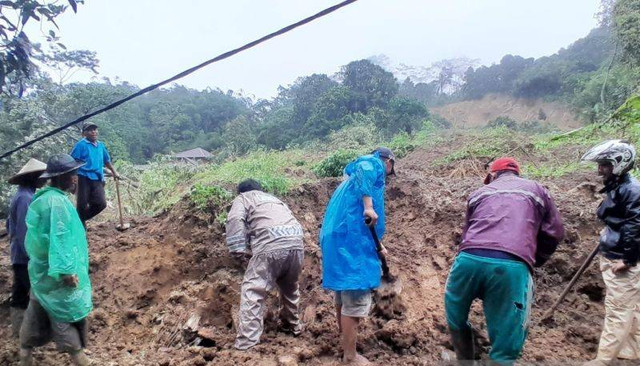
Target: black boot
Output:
[(463, 345)]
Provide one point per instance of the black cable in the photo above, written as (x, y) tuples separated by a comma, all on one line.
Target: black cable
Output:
[(181, 75)]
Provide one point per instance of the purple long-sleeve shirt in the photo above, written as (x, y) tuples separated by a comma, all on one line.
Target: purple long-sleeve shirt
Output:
[(16, 225), (513, 215)]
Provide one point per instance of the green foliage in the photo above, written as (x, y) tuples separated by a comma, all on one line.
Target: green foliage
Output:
[(239, 136), (330, 113), (203, 196), (503, 121), (371, 85), (490, 143), (268, 168), (437, 121), (558, 76), (621, 80), (402, 144), (536, 171), (333, 166), (626, 24), (403, 115), (360, 133), (18, 52)]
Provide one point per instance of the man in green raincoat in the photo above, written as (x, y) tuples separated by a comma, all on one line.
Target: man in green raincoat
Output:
[(56, 243)]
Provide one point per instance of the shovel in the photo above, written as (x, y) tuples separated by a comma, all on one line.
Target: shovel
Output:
[(122, 226), (548, 315), (388, 280)]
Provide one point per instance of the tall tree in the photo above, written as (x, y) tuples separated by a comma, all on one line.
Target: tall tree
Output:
[(372, 86), (18, 52), (626, 24)]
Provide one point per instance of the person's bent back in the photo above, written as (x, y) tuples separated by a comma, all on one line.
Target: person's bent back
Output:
[(512, 225), (260, 228), (513, 215)]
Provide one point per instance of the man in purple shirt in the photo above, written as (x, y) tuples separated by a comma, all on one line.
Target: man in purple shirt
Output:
[(512, 225), (27, 181)]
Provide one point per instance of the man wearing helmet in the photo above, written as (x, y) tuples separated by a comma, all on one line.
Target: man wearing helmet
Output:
[(620, 248)]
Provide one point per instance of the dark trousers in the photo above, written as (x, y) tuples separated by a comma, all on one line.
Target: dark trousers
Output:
[(21, 286), (90, 198)]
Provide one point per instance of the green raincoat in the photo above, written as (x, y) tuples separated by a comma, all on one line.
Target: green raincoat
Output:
[(56, 243)]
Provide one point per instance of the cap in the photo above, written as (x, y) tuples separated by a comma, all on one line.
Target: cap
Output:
[(386, 153), (501, 164), (88, 125)]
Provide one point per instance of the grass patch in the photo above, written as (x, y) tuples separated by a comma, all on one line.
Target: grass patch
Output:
[(202, 195), (552, 171), (267, 167), (484, 143)]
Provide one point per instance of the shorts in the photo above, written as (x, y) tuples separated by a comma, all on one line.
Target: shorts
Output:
[(38, 329), (354, 303)]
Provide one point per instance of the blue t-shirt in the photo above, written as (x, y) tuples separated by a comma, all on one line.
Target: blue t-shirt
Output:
[(95, 155)]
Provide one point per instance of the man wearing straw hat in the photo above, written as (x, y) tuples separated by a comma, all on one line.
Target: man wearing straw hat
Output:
[(27, 181)]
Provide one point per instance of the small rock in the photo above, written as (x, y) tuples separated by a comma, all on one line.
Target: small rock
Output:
[(287, 361)]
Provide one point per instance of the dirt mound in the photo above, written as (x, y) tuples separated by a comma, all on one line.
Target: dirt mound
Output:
[(166, 291), (476, 113)]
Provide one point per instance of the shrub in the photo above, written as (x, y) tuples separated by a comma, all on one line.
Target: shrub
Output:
[(203, 195), (503, 121), (402, 144), (333, 165)]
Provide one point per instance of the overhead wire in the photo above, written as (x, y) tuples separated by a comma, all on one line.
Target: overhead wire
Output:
[(220, 57)]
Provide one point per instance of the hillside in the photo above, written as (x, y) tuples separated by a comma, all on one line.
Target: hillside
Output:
[(166, 292), (476, 113)]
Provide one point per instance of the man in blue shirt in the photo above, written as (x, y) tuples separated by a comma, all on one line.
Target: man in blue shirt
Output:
[(27, 182), (90, 197)]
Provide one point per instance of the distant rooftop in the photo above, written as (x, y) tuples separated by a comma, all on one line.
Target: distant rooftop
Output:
[(197, 153)]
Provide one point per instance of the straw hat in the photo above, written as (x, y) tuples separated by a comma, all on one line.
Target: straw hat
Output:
[(30, 168)]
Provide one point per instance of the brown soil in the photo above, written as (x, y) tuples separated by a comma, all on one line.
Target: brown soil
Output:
[(477, 113), (166, 292)]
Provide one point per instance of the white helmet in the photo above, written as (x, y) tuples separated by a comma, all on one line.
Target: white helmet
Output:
[(619, 153)]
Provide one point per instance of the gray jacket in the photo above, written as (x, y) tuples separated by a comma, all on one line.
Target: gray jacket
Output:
[(259, 222)]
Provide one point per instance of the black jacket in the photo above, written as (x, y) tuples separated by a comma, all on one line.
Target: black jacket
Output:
[(620, 211)]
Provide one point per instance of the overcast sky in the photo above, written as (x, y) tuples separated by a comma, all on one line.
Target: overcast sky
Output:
[(145, 41)]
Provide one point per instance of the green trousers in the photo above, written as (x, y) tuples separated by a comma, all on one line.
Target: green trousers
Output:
[(506, 290)]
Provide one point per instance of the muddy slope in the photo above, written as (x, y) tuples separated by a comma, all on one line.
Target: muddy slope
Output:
[(166, 292)]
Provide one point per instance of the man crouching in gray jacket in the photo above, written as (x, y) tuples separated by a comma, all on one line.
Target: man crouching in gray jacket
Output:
[(261, 227)]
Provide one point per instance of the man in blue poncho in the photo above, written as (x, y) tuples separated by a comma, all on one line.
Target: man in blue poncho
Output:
[(350, 264)]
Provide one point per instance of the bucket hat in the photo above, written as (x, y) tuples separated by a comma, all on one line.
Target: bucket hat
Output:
[(60, 164)]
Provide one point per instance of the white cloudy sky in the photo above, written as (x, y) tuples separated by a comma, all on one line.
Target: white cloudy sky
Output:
[(145, 41)]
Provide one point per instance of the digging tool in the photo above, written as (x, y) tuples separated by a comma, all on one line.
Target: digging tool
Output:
[(387, 278), (549, 313), (122, 226)]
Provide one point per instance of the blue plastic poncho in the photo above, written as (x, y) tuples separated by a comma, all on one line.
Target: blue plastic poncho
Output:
[(349, 257), (57, 245)]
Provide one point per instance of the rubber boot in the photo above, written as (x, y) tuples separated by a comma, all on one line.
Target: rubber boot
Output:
[(79, 358), (17, 315), (463, 345), (26, 358)]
